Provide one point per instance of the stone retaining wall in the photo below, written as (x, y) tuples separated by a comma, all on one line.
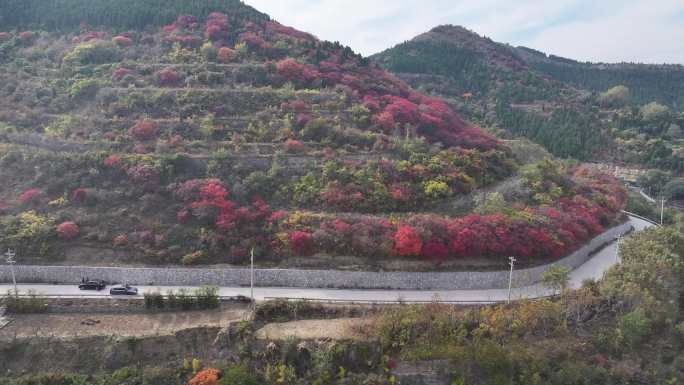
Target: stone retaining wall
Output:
[(307, 278), (106, 305)]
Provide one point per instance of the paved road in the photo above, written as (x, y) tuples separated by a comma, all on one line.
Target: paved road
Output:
[(592, 269)]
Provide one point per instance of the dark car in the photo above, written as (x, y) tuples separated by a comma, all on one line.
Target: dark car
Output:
[(123, 290), (92, 285)]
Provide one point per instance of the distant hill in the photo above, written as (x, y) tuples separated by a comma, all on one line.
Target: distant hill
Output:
[(663, 83), (518, 91)]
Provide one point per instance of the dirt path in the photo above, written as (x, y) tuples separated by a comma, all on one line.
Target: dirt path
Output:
[(336, 329), (127, 325)]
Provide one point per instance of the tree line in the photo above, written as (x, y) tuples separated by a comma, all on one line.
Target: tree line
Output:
[(119, 14)]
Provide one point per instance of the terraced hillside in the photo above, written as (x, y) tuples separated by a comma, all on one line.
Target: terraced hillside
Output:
[(199, 138)]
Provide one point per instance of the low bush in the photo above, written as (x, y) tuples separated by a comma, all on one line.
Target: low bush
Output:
[(67, 231), (32, 303), (93, 52), (205, 297), (239, 375)]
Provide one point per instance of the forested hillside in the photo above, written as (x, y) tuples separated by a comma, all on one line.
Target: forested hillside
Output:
[(70, 15), (130, 141), (573, 109), (648, 82)]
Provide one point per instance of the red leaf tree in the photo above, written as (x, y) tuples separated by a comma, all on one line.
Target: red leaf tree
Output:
[(144, 130), (67, 231), (208, 376), (407, 241), (301, 243), (31, 196), (122, 41)]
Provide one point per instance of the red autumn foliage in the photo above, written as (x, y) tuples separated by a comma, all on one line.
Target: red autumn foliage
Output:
[(175, 141), (402, 110), (146, 237), (27, 36), (121, 240), (254, 42), (295, 105), (407, 241), (93, 35), (122, 41), (435, 250), (113, 161), (4, 36), (143, 130), (190, 189), (79, 195), (186, 22), (169, 28), (143, 174), (186, 41), (168, 77), (183, 216), (273, 27), (217, 26), (31, 196), (226, 55), (301, 243), (385, 120), (302, 120), (67, 231), (294, 71), (293, 146), (550, 233), (119, 73), (209, 376)]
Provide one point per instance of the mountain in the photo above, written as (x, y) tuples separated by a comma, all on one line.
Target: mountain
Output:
[(203, 133), (553, 101), (132, 137)]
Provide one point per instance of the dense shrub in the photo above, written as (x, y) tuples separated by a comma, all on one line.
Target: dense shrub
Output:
[(112, 161), (293, 146), (300, 243), (407, 241), (226, 55), (84, 88), (31, 196), (95, 52), (67, 231), (24, 305), (209, 376), (168, 77), (122, 41), (79, 195), (296, 72), (217, 26), (143, 130), (121, 240), (27, 37), (144, 174), (238, 375)]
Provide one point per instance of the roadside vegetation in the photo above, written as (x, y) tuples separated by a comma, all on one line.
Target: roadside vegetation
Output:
[(626, 329)]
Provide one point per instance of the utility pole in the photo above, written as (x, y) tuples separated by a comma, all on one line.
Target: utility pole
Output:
[(251, 278), (11, 261), (617, 249), (510, 277), (662, 209)]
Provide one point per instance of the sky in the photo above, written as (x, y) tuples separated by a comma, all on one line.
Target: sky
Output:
[(647, 31)]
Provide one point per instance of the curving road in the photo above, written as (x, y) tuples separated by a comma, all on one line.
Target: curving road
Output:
[(592, 269)]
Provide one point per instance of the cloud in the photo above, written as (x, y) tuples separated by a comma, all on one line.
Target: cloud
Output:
[(607, 30)]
